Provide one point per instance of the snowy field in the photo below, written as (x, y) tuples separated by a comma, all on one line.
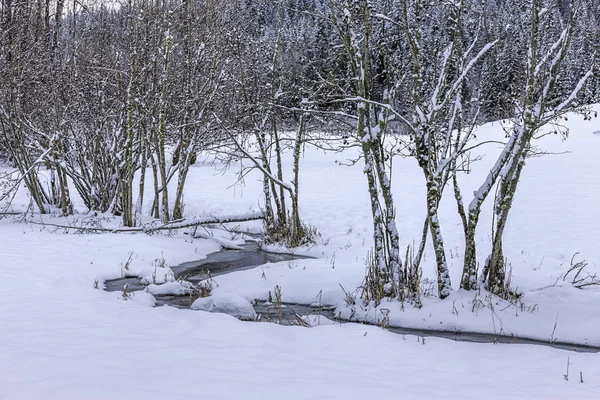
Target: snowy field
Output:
[(63, 338)]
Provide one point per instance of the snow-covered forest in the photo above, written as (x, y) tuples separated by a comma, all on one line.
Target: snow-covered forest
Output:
[(400, 176)]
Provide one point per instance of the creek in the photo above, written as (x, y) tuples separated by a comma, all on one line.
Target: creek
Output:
[(251, 256)]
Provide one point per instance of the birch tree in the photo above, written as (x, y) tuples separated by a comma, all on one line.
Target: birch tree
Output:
[(437, 115), (353, 21), (537, 107)]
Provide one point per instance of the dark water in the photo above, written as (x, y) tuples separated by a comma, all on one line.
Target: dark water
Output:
[(215, 264), (289, 314), (492, 338), (228, 261)]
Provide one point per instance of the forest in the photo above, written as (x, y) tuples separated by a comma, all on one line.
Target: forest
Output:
[(104, 93)]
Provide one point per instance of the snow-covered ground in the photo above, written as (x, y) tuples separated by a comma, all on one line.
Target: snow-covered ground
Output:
[(61, 338)]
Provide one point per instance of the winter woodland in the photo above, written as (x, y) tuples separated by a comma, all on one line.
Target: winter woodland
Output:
[(125, 124)]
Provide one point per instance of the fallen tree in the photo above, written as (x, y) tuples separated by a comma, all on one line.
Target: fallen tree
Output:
[(151, 228)]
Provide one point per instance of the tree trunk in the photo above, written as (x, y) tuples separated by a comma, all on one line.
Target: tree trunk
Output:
[(443, 275), (433, 181), (282, 210), (65, 198), (297, 228), (393, 240), (469, 280), (495, 269), (143, 166), (469, 275), (184, 167), (57, 22), (382, 276), (269, 218), (155, 212)]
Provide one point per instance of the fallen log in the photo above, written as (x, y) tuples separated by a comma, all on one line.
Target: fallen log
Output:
[(181, 224)]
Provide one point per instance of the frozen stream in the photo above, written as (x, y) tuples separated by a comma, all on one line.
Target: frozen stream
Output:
[(251, 256)]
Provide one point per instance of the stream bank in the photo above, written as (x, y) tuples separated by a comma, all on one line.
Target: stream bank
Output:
[(251, 256)]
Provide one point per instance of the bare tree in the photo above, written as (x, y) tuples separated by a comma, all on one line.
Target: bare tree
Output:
[(536, 108), (353, 21), (437, 121)]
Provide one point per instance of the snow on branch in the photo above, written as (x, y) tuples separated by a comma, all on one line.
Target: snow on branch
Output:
[(382, 105), (556, 45), (458, 82), (562, 106)]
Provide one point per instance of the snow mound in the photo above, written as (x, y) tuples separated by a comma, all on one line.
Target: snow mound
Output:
[(177, 288), (316, 320), (157, 275), (226, 239), (143, 298), (226, 303)]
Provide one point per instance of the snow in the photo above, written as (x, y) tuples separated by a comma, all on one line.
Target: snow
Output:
[(226, 303), (143, 298), (61, 338), (178, 288), (224, 242), (316, 320), (157, 274)]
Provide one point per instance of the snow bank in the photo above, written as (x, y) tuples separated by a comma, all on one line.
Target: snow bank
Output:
[(177, 288), (316, 320), (226, 303), (143, 298)]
